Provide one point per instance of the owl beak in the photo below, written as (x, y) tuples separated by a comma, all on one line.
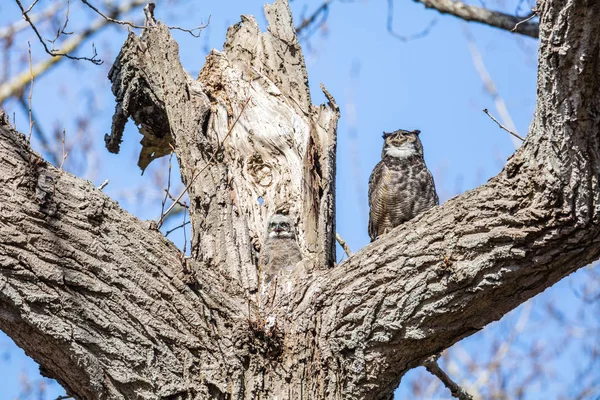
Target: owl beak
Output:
[(278, 229)]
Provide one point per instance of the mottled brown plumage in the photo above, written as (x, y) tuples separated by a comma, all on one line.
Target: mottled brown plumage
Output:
[(280, 250), (400, 186)]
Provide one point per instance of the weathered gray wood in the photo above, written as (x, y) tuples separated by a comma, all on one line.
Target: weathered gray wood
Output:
[(112, 310)]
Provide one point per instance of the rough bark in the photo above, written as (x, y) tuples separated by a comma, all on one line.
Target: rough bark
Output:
[(112, 310)]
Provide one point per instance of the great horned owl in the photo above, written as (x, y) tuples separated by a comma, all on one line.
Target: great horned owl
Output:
[(280, 249), (400, 186)]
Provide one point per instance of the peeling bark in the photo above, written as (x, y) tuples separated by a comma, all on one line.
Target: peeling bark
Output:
[(111, 309)]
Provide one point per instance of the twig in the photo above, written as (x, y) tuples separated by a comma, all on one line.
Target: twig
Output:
[(120, 22), (489, 84), (532, 16), (14, 28), (323, 8), (14, 86), (162, 217), (502, 126), (62, 31), (183, 205), (37, 131), (162, 206), (64, 155), (177, 227), (414, 36), (31, 122), (184, 234), (483, 15), (342, 243), (103, 184), (53, 53), (433, 367)]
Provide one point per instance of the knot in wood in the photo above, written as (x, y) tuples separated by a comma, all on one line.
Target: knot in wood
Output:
[(261, 172)]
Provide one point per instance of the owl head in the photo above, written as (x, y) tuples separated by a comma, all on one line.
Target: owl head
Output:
[(280, 227), (402, 144)]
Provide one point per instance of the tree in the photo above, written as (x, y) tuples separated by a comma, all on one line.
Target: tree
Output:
[(110, 308)]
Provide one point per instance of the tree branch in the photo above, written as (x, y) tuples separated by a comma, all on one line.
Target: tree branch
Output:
[(89, 291), (431, 364), (483, 15)]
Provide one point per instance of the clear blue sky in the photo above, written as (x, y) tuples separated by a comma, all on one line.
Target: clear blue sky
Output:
[(380, 83)]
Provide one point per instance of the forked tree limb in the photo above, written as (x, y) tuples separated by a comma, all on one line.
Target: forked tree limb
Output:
[(110, 308)]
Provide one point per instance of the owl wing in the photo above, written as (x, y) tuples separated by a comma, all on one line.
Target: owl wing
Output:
[(429, 193), (434, 196), (376, 199)]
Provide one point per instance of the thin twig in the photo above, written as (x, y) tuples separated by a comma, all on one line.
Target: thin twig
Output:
[(15, 85), (64, 155), (434, 368), (183, 205), (177, 227), (31, 6), (103, 184), (184, 234), (162, 217), (53, 53), (120, 22), (31, 122), (414, 36), (485, 110), (532, 16), (38, 132), (16, 27), (62, 31), (342, 243), (489, 84), (164, 201), (323, 8)]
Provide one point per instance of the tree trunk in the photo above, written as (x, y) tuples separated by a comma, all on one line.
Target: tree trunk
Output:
[(112, 309)]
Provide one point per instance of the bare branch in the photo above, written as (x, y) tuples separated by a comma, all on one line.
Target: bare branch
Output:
[(434, 368), (404, 38), (343, 243), (64, 154), (30, 96), (121, 22), (490, 86), (306, 22), (484, 16), (182, 205), (178, 227), (16, 27), (12, 87), (532, 16), (103, 184), (53, 53), (485, 110)]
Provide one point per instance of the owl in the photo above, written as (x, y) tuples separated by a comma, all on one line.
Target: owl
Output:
[(280, 250), (400, 186)]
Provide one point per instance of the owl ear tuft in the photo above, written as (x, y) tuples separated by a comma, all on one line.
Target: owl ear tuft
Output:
[(416, 132), (386, 134)]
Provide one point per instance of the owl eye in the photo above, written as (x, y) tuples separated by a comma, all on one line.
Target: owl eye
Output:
[(284, 225), (272, 225)]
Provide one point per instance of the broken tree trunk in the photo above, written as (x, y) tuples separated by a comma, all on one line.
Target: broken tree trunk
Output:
[(111, 309)]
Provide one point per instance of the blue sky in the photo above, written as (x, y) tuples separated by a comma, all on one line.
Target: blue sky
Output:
[(380, 83)]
